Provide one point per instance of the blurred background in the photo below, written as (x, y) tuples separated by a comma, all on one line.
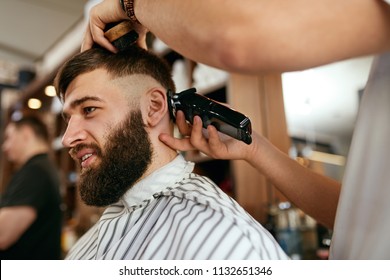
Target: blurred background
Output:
[(313, 120)]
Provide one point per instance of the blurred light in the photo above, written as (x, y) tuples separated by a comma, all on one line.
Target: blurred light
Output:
[(284, 205), (50, 91), (17, 115), (34, 103)]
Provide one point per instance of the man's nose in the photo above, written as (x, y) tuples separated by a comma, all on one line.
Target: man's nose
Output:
[(74, 133)]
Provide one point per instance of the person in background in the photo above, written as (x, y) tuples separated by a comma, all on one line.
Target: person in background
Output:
[(30, 207), (115, 106), (258, 36)]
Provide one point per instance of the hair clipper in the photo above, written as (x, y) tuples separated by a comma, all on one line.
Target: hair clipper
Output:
[(224, 119)]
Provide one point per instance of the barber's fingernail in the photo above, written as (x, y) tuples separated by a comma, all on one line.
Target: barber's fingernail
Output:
[(196, 119)]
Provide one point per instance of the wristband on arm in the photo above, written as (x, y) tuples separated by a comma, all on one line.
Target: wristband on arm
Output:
[(128, 7)]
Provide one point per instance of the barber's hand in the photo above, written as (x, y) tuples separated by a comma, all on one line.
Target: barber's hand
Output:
[(211, 143), (101, 14)]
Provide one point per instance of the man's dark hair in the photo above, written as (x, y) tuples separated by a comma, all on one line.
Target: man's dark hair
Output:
[(133, 60), (36, 124)]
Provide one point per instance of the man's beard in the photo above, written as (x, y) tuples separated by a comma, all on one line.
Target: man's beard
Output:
[(126, 156)]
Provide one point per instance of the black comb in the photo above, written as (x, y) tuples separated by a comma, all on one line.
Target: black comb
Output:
[(121, 34)]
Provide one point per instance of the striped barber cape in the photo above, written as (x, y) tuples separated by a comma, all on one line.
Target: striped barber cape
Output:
[(176, 214)]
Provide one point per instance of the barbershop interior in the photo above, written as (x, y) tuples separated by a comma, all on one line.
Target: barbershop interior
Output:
[(309, 115)]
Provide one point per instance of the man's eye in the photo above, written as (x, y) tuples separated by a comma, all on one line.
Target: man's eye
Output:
[(89, 110)]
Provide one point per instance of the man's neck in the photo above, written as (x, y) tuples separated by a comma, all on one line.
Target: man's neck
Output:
[(165, 156), (36, 150)]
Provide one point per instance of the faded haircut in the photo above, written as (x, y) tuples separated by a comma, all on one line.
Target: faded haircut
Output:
[(133, 60)]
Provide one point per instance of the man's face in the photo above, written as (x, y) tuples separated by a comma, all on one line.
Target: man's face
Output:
[(13, 143), (107, 139)]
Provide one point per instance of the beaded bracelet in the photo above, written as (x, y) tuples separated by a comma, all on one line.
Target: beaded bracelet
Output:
[(128, 7)]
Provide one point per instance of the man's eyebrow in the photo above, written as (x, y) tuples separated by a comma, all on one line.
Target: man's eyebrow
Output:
[(78, 102)]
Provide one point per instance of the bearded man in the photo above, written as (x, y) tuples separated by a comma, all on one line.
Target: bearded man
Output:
[(115, 106)]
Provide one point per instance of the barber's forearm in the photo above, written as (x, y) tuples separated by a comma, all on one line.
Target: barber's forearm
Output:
[(315, 194), (258, 35)]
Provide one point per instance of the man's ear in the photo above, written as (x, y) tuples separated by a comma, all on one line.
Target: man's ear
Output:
[(156, 106)]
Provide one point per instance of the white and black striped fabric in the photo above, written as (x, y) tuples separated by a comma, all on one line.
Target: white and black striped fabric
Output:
[(176, 214)]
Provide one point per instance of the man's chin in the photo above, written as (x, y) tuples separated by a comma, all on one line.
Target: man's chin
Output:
[(89, 167), (84, 170)]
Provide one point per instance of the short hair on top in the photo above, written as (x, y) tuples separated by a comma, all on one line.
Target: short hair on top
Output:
[(133, 60), (36, 124)]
